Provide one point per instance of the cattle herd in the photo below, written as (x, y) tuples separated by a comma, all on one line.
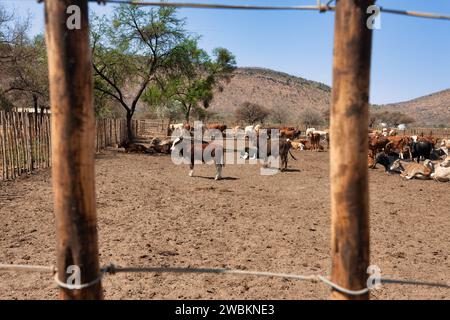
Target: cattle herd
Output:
[(419, 157), (403, 154)]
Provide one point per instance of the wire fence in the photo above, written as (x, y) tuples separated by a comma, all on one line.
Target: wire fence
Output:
[(106, 139), (112, 270), (319, 7)]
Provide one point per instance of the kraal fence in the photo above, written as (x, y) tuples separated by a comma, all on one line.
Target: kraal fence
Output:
[(25, 141)]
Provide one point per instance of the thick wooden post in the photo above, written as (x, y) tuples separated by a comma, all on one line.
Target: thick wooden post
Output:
[(349, 147), (72, 125)]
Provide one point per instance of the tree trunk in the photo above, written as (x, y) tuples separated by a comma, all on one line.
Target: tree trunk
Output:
[(35, 104), (130, 134), (188, 113)]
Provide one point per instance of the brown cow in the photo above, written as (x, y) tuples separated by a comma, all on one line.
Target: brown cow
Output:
[(377, 144), (410, 170), (430, 139), (399, 144), (199, 150), (289, 133), (314, 140), (217, 126)]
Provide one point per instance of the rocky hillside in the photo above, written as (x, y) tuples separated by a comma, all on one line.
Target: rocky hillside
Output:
[(270, 89), (430, 110), (273, 89)]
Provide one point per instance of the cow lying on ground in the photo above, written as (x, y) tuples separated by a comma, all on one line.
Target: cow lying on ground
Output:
[(385, 160), (296, 145), (197, 150), (445, 146), (442, 171), (410, 170), (131, 147), (158, 146)]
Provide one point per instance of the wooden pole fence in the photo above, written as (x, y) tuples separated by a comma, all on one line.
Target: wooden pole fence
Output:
[(349, 148), (73, 133)]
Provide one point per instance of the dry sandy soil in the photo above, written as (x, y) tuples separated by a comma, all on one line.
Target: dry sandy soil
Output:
[(152, 214)]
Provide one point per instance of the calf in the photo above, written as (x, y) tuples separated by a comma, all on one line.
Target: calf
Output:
[(410, 170)]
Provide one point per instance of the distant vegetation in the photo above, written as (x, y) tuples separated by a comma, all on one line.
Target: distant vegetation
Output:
[(145, 63), (23, 63), (146, 55), (251, 113), (141, 57), (391, 118)]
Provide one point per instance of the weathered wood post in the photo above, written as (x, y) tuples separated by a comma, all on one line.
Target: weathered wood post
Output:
[(349, 147), (72, 125)]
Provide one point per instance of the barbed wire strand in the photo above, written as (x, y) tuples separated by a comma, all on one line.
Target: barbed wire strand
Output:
[(320, 8), (112, 270)]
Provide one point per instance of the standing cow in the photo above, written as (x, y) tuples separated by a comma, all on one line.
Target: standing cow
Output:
[(192, 150)]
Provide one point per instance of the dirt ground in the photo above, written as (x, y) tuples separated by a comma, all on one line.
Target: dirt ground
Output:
[(150, 213)]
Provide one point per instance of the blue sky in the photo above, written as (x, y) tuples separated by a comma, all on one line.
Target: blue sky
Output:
[(410, 55)]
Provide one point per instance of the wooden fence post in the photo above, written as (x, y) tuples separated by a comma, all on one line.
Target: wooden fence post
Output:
[(72, 128), (349, 148)]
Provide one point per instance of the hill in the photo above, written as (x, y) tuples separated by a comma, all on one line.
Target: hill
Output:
[(430, 110), (273, 89)]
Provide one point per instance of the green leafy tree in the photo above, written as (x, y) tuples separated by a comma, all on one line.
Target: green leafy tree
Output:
[(191, 77), (23, 63), (129, 50), (28, 72)]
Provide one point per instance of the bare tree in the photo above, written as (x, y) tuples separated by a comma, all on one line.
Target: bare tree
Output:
[(279, 115), (310, 117), (251, 113), (392, 118)]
